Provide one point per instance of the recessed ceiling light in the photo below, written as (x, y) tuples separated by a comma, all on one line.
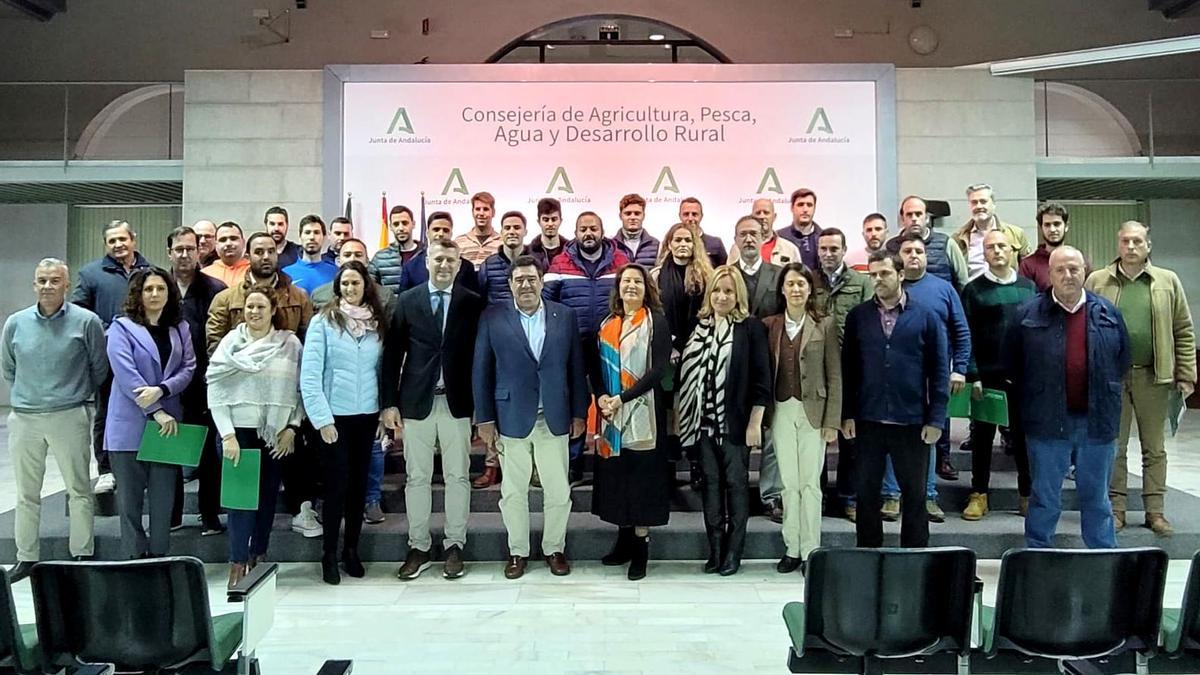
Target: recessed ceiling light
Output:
[(666, 46), (657, 36), (549, 46)]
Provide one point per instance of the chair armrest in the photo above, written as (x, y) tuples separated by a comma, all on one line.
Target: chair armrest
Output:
[(793, 618), (251, 581), (92, 669), (1171, 630), (336, 667)]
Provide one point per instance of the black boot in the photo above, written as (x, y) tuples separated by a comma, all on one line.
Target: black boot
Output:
[(329, 569), (714, 552), (731, 556), (353, 564), (697, 477), (640, 556), (621, 552)]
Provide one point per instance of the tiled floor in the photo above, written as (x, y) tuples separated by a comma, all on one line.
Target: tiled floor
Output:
[(594, 621)]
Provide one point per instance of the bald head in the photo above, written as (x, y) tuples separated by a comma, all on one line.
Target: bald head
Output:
[(764, 210), (206, 238), (997, 252), (1067, 270)]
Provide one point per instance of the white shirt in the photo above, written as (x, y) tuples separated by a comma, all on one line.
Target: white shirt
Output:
[(976, 263), (793, 328), (433, 305), (1070, 310), (752, 269), (1012, 276)]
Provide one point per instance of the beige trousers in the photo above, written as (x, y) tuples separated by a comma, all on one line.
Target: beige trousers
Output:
[(66, 434), (801, 455), (1147, 402), (421, 437), (518, 457)]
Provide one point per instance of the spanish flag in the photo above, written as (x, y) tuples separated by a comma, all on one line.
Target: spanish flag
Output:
[(383, 222)]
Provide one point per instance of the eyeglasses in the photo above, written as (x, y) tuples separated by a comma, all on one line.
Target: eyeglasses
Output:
[(525, 281)]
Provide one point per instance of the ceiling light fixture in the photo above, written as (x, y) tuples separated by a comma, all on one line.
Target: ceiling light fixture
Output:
[(1090, 57), (657, 36)]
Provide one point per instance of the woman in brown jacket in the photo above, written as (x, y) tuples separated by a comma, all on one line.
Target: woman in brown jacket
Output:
[(806, 370)]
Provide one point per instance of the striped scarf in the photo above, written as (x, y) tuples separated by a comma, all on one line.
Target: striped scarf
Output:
[(704, 366), (624, 359)]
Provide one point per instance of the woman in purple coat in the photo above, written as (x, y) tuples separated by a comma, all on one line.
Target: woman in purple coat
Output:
[(150, 351)]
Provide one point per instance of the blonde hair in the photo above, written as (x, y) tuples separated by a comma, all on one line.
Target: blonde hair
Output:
[(698, 274), (741, 308)]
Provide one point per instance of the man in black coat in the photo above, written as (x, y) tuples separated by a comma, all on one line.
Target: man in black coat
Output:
[(427, 396)]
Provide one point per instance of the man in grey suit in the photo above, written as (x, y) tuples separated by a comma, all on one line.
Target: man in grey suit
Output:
[(762, 281)]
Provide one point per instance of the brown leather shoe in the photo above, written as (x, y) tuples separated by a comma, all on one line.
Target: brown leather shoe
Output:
[(559, 566), (515, 568), (1159, 524), (453, 568), (489, 477), (237, 572), (1119, 520), (416, 562)]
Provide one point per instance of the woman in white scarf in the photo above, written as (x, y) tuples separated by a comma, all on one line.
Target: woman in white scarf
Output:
[(253, 392), (339, 380)]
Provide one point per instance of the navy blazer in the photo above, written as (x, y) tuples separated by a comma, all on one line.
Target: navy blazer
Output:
[(903, 379), (508, 379)]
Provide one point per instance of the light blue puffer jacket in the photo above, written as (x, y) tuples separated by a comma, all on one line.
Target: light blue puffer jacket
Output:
[(339, 375)]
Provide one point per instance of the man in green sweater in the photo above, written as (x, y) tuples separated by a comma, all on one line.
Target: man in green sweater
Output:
[(990, 301), (1162, 343)]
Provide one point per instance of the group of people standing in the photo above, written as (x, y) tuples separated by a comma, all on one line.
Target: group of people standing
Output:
[(319, 359)]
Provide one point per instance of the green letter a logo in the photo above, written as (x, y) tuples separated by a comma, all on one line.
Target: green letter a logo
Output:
[(400, 122), (769, 182), (456, 179), (824, 126), (560, 173), (666, 181)]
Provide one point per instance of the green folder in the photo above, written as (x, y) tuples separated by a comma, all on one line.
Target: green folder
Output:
[(184, 448), (239, 484), (992, 408), (960, 403)]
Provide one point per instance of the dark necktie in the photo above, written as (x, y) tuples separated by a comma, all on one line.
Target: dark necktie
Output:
[(439, 311)]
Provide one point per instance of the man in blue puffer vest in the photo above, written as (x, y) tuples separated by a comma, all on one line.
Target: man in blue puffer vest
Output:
[(493, 274), (582, 277)]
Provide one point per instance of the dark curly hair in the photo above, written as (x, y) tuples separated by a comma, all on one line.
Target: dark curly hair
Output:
[(332, 311), (136, 311)]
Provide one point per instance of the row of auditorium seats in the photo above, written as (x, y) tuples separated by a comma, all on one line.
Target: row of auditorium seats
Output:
[(921, 611), (95, 618)]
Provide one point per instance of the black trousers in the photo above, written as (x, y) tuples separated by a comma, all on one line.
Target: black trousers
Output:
[(847, 470), (982, 435), (208, 476), (345, 464), (135, 479), (726, 493), (102, 394), (910, 457), (301, 468)]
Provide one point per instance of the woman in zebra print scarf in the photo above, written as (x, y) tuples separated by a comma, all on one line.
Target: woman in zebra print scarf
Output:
[(725, 389)]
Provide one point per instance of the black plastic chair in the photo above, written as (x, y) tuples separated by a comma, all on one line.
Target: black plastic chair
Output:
[(1083, 611), (18, 644), (867, 608), (1181, 629), (146, 615)]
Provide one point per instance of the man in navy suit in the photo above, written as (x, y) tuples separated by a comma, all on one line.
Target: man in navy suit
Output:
[(531, 395)]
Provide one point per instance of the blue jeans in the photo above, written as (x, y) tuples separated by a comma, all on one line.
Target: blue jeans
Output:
[(250, 531), (891, 489), (1049, 461), (375, 474)]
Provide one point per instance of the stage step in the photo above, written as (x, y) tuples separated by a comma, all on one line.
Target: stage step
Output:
[(588, 537)]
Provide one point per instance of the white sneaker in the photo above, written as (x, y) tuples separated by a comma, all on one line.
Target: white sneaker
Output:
[(106, 483), (305, 522)]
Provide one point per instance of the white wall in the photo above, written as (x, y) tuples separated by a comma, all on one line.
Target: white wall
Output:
[(1175, 233), (956, 127), (33, 232), (251, 139)]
